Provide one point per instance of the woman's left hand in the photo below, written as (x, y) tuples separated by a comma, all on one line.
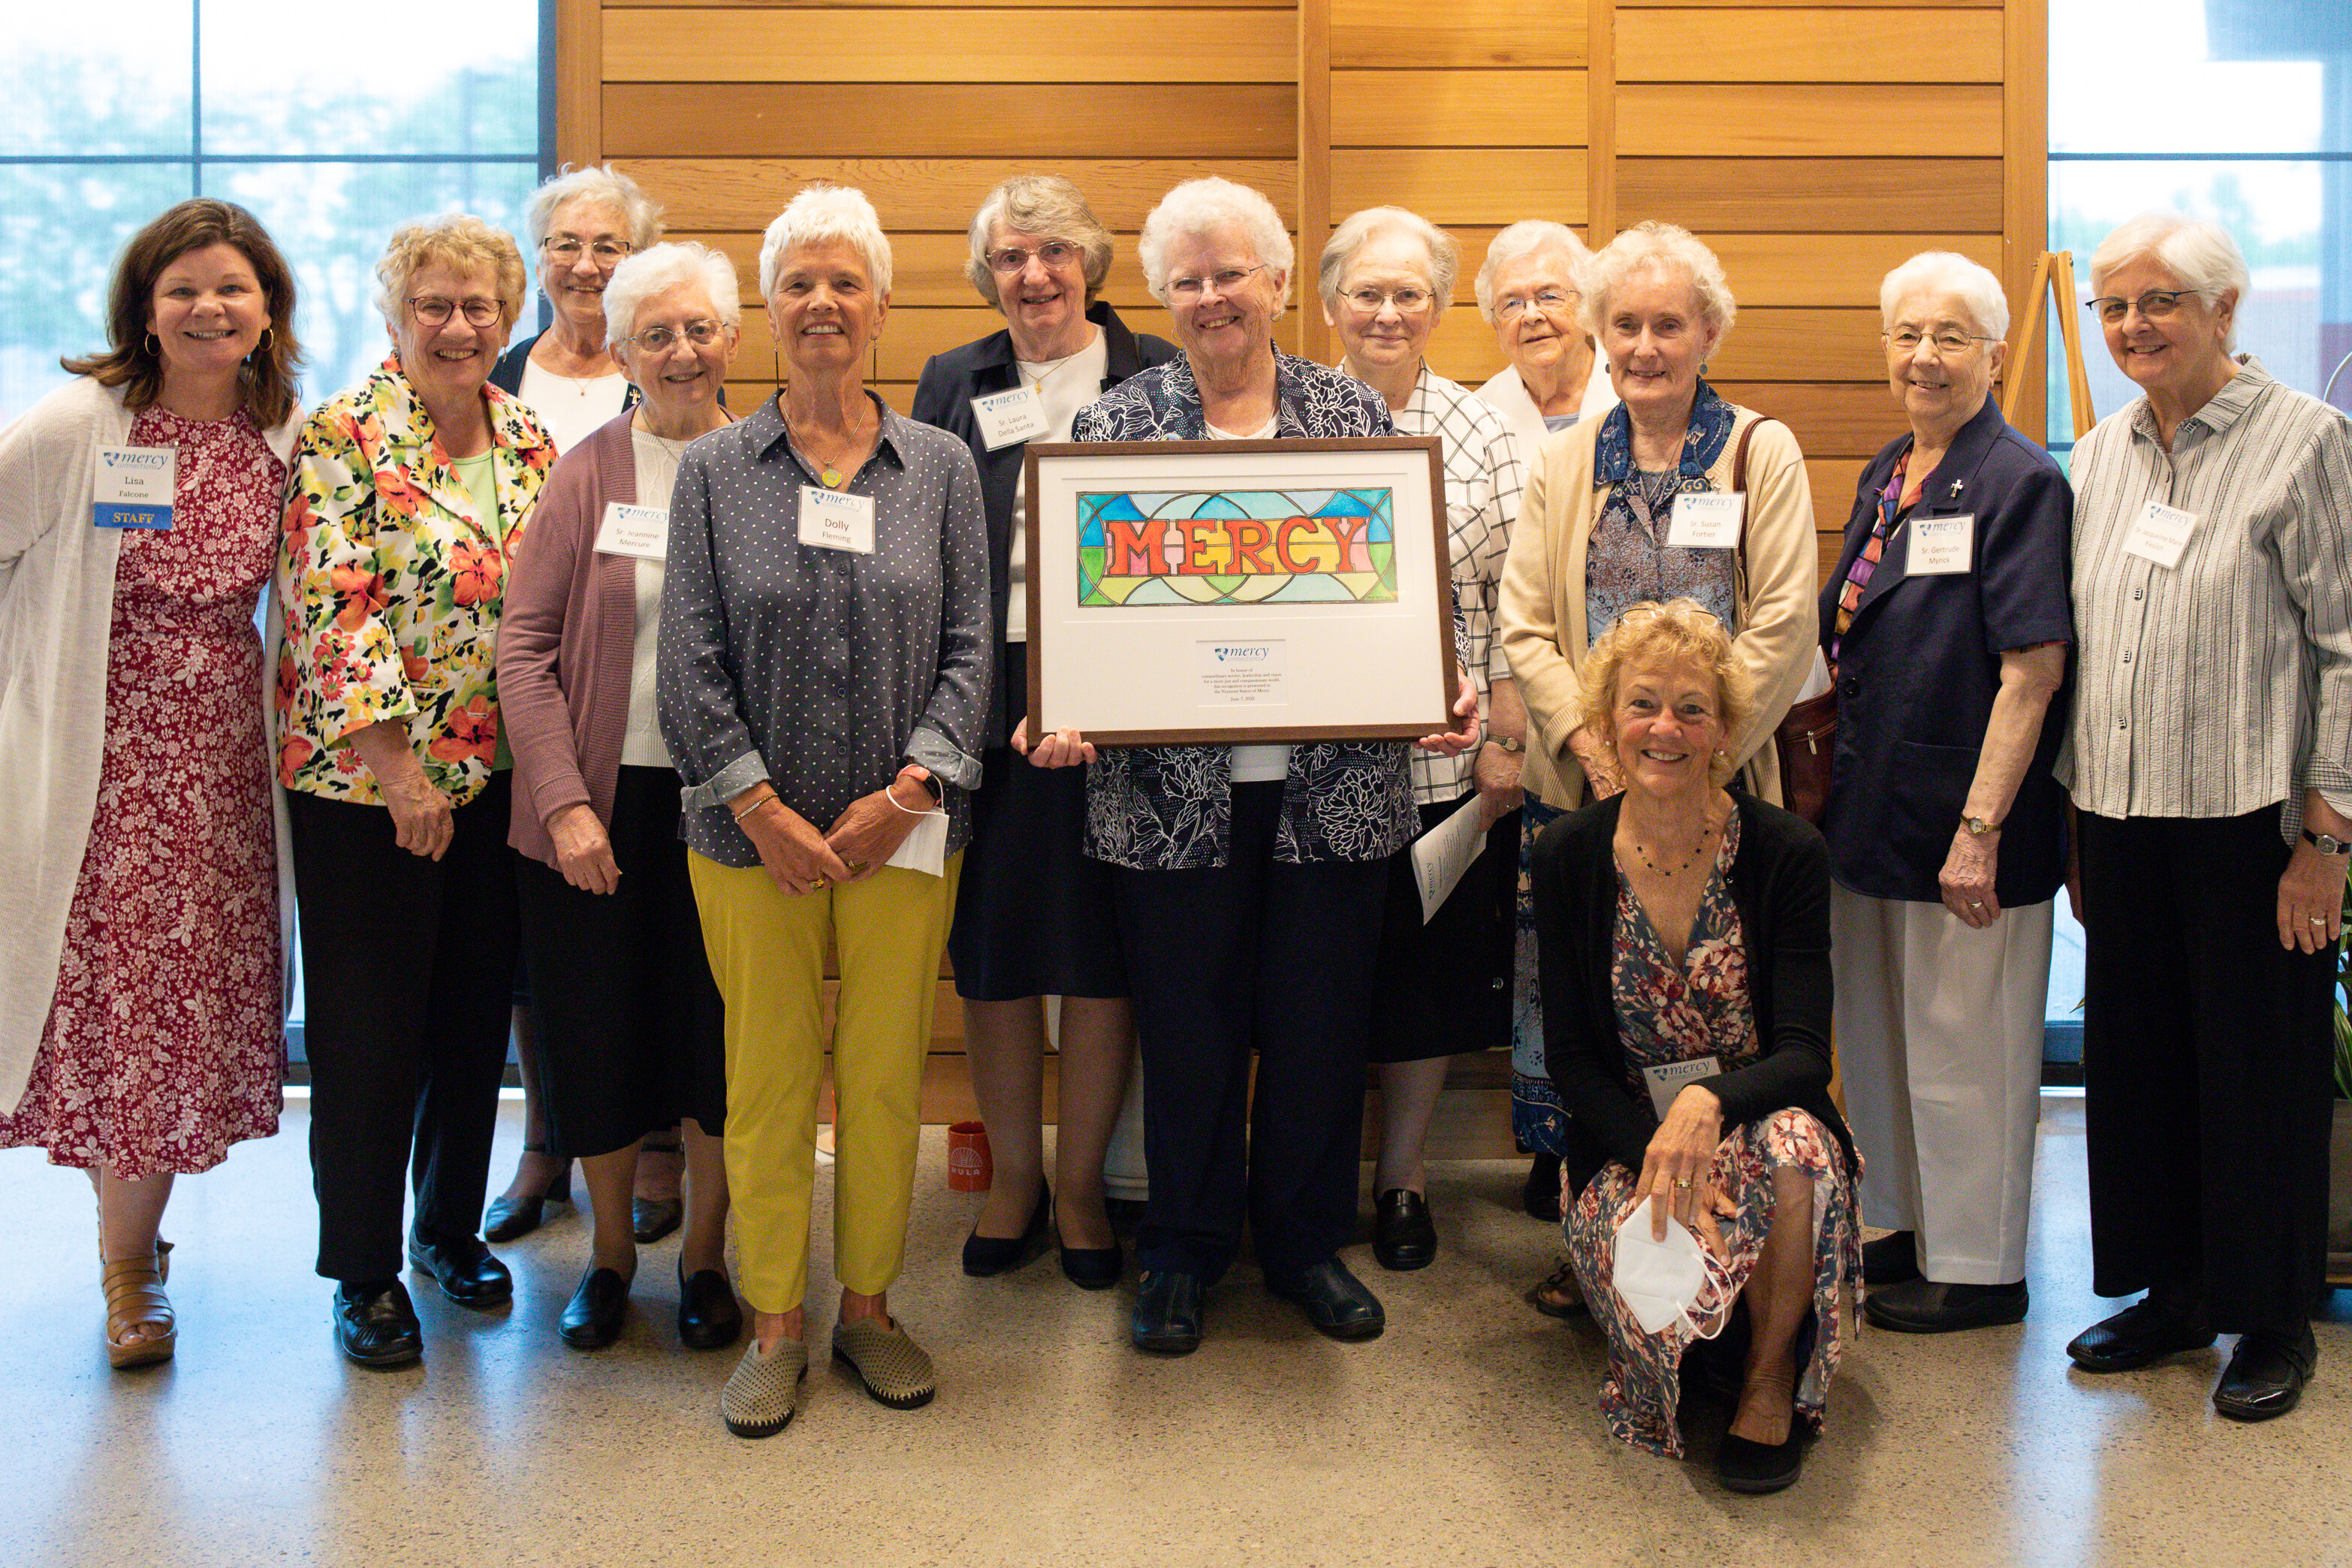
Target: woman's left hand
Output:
[(1678, 1168), (1967, 877), (1462, 736), (866, 835), (2310, 900)]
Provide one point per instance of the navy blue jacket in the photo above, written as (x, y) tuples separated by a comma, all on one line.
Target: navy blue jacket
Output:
[(507, 375), (1918, 673)]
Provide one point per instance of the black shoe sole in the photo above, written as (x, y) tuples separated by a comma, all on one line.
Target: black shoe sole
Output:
[(1404, 1262), (478, 1303), (2139, 1359), (1103, 1267), (1166, 1344), (756, 1430), (910, 1401), (382, 1361), (1991, 1317)]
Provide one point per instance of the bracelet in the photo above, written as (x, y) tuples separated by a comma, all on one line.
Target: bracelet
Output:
[(755, 805)]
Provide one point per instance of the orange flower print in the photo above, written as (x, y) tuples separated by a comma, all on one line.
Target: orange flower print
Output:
[(362, 595), (478, 571), (292, 752), (472, 734), (415, 666), (287, 682)]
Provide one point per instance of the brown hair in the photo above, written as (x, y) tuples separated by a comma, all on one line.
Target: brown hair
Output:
[(267, 378), (1680, 631)]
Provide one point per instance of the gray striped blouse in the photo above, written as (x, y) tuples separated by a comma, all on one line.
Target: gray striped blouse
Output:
[(2223, 685)]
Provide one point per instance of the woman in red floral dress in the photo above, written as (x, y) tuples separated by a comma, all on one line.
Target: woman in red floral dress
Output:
[(141, 995)]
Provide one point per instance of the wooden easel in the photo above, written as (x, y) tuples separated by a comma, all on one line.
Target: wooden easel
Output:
[(2055, 269)]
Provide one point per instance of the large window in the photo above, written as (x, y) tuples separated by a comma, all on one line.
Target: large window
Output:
[(333, 123)]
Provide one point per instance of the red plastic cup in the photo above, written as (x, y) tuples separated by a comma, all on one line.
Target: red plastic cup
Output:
[(969, 1167)]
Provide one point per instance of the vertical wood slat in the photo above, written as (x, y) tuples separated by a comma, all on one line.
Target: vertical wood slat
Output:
[(1315, 213), (2025, 188), (578, 81), (1601, 122)]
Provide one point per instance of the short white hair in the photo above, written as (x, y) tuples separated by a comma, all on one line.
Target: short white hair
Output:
[(821, 213), (1445, 264), (1947, 272), (1525, 238), (2202, 255), (641, 216), (1654, 246), (663, 268), (1199, 207), (1045, 205)]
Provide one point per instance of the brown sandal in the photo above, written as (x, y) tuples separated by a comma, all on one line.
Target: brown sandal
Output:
[(135, 1299), (1558, 1295)]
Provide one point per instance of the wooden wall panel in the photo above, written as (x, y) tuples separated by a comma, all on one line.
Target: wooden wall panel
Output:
[(1818, 120), (1445, 185), (935, 194), (1459, 33), (974, 45), (1790, 44), (1457, 109), (1810, 195)]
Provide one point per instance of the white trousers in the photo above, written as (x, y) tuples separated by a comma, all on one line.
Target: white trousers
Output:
[(1939, 1043)]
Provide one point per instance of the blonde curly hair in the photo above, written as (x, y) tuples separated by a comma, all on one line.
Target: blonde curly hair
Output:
[(1679, 631), (456, 239)]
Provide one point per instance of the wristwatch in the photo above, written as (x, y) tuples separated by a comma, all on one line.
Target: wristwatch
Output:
[(1977, 826), (1512, 745), (2329, 844)]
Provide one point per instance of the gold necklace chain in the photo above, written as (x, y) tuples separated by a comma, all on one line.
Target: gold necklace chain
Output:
[(828, 469)]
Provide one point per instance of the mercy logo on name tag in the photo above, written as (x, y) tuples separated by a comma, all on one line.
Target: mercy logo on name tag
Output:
[(1705, 521), (1941, 546), (134, 486), (831, 520), (1669, 1080), (1006, 417), (2160, 533), (639, 530)]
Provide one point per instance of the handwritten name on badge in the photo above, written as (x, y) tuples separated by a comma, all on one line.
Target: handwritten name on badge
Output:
[(1706, 521), (134, 486), (639, 530), (1006, 417), (1941, 546), (832, 519), (2160, 533)]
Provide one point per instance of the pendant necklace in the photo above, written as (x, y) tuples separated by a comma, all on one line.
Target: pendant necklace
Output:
[(1644, 856), (829, 469)]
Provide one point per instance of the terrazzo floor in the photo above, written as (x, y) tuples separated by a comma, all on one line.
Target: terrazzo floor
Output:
[(1467, 1434)]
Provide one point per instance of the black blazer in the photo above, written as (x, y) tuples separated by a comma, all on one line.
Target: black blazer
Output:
[(507, 375), (943, 397), (1919, 669), (1780, 880)]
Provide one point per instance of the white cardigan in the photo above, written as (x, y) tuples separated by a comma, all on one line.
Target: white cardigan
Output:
[(56, 604), (1509, 396)]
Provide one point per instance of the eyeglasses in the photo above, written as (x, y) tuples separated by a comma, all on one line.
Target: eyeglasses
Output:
[(1949, 341), (567, 248), (1053, 253), (1224, 282), (2155, 305), (1408, 302), (701, 331), (1550, 301), (434, 311)]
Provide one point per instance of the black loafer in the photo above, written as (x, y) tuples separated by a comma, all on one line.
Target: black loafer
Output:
[(2265, 1375), (1335, 1301), (1928, 1307), (464, 1270), (1540, 1197), (1753, 1468), (1167, 1319), (709, 1317), (1402, 1236), (592, 1319), (1892, 1258), (2145, 1331), (650, 1219), (987, 1254), (375, 1325)]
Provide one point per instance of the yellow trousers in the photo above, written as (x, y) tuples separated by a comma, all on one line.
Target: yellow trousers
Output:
[(767, 953)]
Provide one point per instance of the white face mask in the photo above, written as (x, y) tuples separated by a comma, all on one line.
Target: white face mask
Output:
[(1659, 1281)]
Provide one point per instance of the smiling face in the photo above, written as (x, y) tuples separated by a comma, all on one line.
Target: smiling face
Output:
[(1223, 326), (452, 360), (824, 311), (1939, 389), (2180, 354), (1656, 337), (208, 311), (1388, 334), (1668, 717), (576, 287), (1043, 302), (1537, 337), (680, 379)]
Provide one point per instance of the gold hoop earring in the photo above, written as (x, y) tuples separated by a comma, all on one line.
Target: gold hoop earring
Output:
[(261, 349), (152, 346)]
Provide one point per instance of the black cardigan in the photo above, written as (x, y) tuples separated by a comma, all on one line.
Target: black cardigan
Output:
[(1781, 881)]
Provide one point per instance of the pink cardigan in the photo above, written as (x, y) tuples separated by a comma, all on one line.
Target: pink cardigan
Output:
[(567, 639)]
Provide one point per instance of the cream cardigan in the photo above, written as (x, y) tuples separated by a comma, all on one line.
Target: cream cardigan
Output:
[(1543, 632), (1509, 394), (57, 602)]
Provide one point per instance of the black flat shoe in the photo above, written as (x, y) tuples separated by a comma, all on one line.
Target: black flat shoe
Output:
[(1091, 1268), (375, 1325), (1752, 1468), (650, 1219), (508, 1219), (2145, 1331), (987, 1254), (1167, 1319), (1892, 1258), (1928, 1307), (1540, 1197), (2265, 1375), (1335, 1301), (1402, 1236), (464, 1270), (592, 1319), (709, 1317)]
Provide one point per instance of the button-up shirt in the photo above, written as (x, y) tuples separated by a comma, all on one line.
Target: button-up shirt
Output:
[(824, 671), (2222, 685)]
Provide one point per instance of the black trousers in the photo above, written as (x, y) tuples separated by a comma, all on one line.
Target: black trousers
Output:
[(409, 967), (2207, 1070), (1258, 954)]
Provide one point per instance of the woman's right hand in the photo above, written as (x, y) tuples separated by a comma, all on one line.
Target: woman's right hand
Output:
[(1062, 749), (793, 853), (1600, 764), (584, 852)]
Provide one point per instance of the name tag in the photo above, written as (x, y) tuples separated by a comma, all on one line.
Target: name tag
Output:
[(1706, 521), (1670, 1079), (926, 848), (832, 520), (134, 486), (2160, 533), (1006, 417), (639, 530), (1941, 546)]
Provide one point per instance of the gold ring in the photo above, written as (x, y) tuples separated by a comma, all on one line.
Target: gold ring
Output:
[(821, 884), (2317, 921), (1682, 1183)]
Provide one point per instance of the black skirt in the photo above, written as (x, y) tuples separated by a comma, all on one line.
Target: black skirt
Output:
[(631, 1027), (1446, 986), (1033, 915)]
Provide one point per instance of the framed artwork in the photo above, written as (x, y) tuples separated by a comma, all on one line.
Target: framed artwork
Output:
[(1239, 591)]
